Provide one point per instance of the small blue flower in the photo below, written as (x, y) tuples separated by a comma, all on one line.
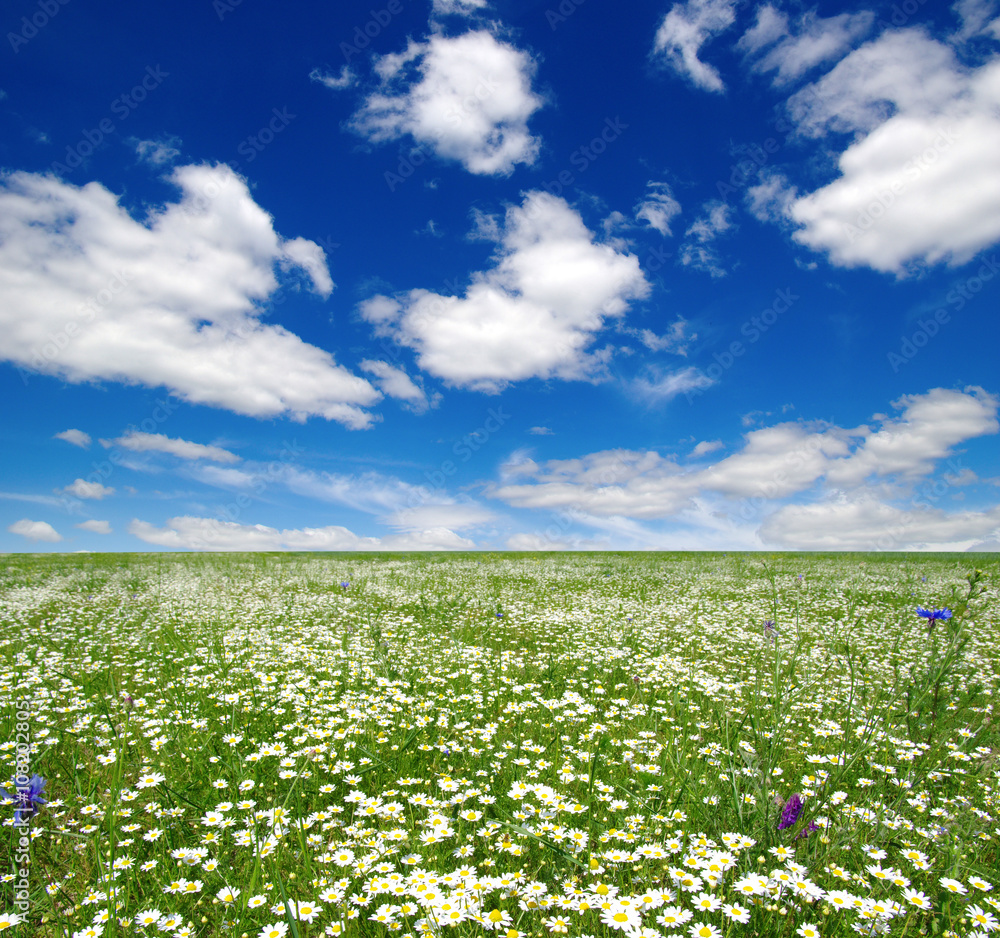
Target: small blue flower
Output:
[(933, 615), (26, 798), (345, 584)]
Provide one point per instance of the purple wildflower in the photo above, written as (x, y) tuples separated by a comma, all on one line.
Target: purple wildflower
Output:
[(26, 798), (791, 811), (806, 831)]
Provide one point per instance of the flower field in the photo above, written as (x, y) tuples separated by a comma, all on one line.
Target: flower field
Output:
[(518, 745)]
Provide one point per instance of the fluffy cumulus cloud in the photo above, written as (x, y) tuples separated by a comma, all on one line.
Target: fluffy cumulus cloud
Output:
[(194, 533), (35, 531), (534, 314), (684, 30), (81, 488), (173, 301), (76, 437), (466, 98), (139, 442), (919, 179), (788, 480), (95, 527), (792, 49)]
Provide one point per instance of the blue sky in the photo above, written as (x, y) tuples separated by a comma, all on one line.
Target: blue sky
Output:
[(460, 274)]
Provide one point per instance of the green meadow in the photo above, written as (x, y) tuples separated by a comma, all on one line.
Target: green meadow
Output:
[(519, 745)]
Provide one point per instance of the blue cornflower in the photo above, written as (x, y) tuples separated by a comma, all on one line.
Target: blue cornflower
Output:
[(933, 615), (26, 798), (345, 585)]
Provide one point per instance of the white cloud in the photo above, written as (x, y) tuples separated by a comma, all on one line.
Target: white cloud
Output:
[(92, 294), (705, 447), (658, 207), (395, 382), (978, 17), (457, 517), (792, 459), (812, 40), (685, 29), (457, 7), (468, 98), (35, 531), (930, 426), (658, 386), (158, 152), (674, 340), (81, 488), (345, 79), (95, 527), (540, 431), (227, 478), (861, 522), (527, 541), (698, 250), (770, 26), (771, 199), (76, 437), (184, 449), (920, 181), (534, 314), (193, 533)]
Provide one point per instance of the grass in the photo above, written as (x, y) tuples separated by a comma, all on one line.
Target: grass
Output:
[(525, 744)]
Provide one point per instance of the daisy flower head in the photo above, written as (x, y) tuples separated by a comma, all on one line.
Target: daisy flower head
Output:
[(987, 921), (704, 930), (673, 916), (307, 911), (917, 898), (274, 930), (736, 913), (621, 917), (807, 931)]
